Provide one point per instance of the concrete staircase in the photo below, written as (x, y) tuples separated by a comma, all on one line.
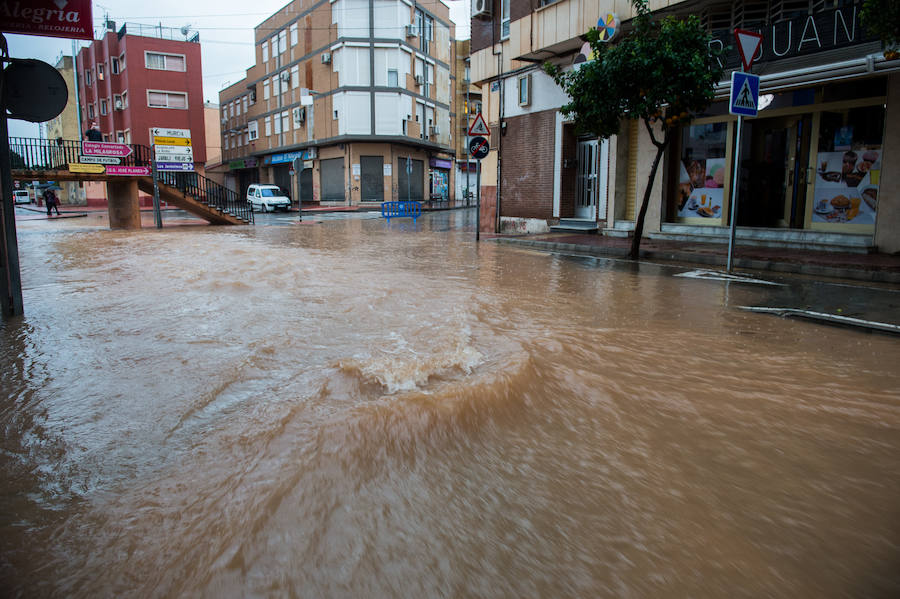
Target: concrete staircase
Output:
[(197, 202), (575, 225), (787, 238)]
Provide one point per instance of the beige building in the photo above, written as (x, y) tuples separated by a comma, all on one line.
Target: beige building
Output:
[(358, 95), (816, 167), (468, 98), (65, 126), (215, 169)]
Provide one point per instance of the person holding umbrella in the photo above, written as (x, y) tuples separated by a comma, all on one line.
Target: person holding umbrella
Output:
[(51, 200)]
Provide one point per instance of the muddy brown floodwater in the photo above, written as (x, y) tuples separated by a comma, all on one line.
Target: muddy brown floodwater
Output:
[(357, 409)]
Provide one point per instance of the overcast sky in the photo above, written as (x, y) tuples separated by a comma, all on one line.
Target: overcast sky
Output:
[(225, 27)]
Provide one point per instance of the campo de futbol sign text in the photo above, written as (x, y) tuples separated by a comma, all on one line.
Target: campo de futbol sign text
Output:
[(808, 34)]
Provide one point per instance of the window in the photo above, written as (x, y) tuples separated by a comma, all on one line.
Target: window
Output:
[(120, 137), (118, 102), (100, 71), (105, 137), (293, 35), (104, 106), (525, 90), (276, 85), (285, 121), (244, 101), (128, 136), (277, 124), (253, 130), (124, 99), (87, 77), (114, 62), (468, 75), (265, 51), (282, 41), (231, 110), (266, 89), (161, 99), (91, 112), (295, 76), (237, 107), (253, 95), (504, 22), (268, 126), (164, 62), (393, 78)]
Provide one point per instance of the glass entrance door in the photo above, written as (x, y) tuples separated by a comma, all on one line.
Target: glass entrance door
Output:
[(774, 161), (586, 193)]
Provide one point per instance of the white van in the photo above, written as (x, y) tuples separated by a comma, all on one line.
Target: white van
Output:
[(20, 196), (264, 197)]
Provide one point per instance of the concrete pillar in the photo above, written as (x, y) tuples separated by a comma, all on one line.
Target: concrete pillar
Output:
[(124, 208), (887, 223)]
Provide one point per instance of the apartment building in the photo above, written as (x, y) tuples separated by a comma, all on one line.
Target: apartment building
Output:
[(141, 77), (468, 98), (349, 101), (818, 166), (65, 126)]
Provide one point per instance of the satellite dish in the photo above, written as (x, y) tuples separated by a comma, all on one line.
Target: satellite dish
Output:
[(185, 30), (34, 91)]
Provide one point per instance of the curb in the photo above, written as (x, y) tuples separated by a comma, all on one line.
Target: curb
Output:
[(872, 276)]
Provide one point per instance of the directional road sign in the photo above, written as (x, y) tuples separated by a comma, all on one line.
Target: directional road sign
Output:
[(748, 43), (744, 94), (103, 148), (175, 166), (99, 160), (479, 127), (75, 167), (163, 132), (479, 147), (132, 171), (171, 141)]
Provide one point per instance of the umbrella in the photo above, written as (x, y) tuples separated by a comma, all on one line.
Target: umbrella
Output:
[(54, 186)]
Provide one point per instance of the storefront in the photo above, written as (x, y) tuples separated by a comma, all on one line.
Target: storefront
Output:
[(812, 159), (439, 179), (243, 172)]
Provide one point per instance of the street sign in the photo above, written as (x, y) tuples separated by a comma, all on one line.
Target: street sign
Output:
[(175, 166), (174, 158), (748, 43), (77, 167), (47, 18), (103, 148), (172, 141), (479, 127), (99, 160), (166, 149), (744, 99), (163, 132), (479, 147), (128, 171)]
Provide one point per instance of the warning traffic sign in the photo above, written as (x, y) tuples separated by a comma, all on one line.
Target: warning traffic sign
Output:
[(479, 127), (744, 94), (748, 43)]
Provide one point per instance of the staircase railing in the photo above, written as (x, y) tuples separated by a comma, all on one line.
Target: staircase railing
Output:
[(28, 153), (208, 192), (53, 154)]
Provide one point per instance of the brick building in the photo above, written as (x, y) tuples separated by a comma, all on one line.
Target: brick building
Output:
[(141, 77), (359, 94), (817, 165)]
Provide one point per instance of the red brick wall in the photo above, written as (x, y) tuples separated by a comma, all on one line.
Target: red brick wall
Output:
[(526, 174)]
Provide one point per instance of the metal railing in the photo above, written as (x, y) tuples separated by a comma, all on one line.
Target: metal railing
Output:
[(29, 153), (207, 191), (56, 154)]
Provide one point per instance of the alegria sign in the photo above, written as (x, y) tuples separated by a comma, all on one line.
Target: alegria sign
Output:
[(54, 18)]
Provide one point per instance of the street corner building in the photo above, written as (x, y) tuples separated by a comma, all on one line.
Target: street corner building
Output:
[(350, 102), (819, 167)]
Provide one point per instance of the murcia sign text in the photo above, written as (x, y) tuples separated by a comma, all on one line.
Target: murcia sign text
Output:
[(803, 35)]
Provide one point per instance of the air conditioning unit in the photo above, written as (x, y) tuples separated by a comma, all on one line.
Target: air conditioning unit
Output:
[(285, 77), (299, 115), (411, 30), (120, 105), (420, 80), (326, 57), (481, 8)]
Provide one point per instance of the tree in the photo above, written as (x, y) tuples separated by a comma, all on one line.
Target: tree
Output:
[(660, 73), (882, 18)]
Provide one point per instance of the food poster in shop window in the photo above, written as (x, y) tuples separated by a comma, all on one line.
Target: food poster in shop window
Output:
[(847, 186), (701, 187)]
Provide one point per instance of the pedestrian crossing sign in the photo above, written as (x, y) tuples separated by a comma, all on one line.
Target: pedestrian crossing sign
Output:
[(744, 94)]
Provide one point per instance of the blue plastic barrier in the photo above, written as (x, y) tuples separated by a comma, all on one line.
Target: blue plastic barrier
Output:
[(409, 208)]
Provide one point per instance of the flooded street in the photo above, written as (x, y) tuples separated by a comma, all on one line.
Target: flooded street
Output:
[(352, 408)]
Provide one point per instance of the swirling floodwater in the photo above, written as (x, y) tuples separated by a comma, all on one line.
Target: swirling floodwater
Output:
[(356, 408)]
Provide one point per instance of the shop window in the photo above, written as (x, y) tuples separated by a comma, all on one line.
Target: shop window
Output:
[(702, 169), (848, 168)]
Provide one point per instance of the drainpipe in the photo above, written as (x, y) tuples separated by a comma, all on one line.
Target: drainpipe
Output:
[(499, 56)]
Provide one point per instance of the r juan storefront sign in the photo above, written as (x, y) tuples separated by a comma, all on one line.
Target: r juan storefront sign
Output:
[(807, 34)]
